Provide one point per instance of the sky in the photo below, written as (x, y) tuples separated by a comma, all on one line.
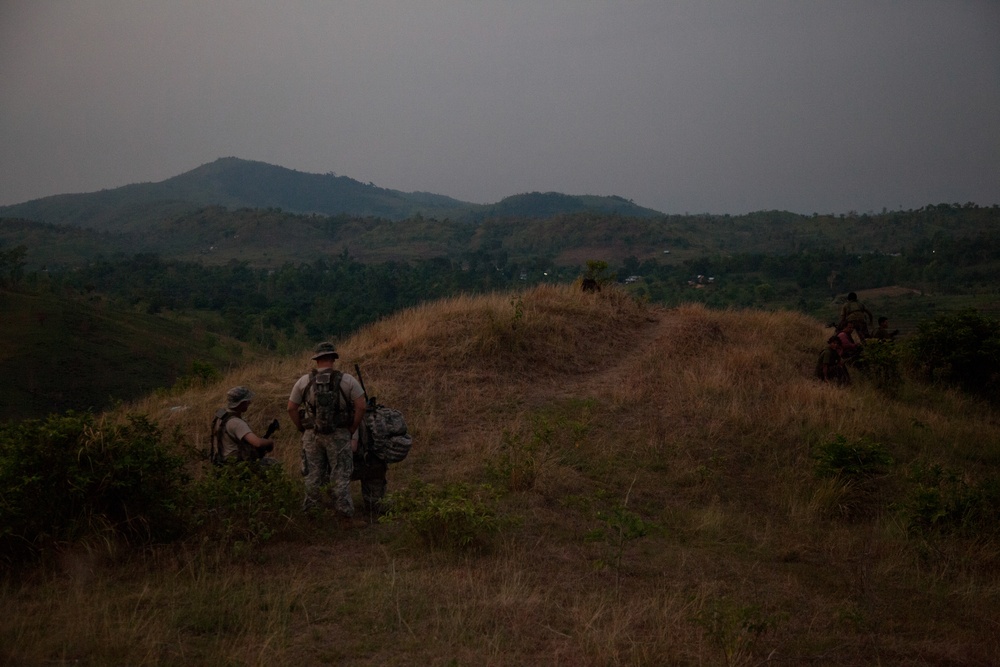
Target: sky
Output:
[(704, 106)]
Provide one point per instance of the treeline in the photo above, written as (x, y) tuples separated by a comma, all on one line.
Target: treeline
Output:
[(293, 304), (942, 264)]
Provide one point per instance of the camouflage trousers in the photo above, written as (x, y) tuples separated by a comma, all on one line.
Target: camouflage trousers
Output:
[(327, 460)]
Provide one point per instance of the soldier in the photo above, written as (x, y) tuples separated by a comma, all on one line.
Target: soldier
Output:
[(371, 471), (232, 437), (830, 366), (327, 407), (854, 312), (882, 332)]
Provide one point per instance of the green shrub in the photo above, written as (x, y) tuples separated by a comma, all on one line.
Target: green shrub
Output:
[(859, 460), (455, 517), (960, 348), (857, 470), (244, 504), (70, 477), (620, 526), (943, 501), (514, 466), (880, 361)]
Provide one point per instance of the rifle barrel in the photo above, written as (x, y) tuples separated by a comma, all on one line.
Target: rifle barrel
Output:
[(361, 381)]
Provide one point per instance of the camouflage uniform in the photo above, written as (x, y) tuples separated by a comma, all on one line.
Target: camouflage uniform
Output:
[(854, 312), (327, 458)]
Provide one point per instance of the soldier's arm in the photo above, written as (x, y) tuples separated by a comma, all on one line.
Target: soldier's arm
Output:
[(258, 442), (293, 414), (359, 413)]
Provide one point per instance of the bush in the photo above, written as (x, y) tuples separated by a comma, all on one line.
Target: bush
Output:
[(69, 477), (943, 501), (244, 504), (860, 460), (857, 469), (961, 348), (880, 361), (456, 517)]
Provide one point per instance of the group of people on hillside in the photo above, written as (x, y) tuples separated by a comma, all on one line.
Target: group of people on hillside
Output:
[(842, 349), (328, 408)]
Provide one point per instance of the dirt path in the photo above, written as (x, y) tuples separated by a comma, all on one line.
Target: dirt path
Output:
[(610, 369)]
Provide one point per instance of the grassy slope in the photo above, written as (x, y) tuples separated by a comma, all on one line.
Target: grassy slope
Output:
[(79, 354), (699, 422)]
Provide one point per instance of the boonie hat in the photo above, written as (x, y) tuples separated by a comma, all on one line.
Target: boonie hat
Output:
[(237, 395), (326, 350)]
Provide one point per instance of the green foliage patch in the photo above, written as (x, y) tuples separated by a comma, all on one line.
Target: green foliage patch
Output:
[(243, 504), (856, 469), (455, 517), (69, 477), (858, 460), (944, 501), (961, 348), (880, 360)]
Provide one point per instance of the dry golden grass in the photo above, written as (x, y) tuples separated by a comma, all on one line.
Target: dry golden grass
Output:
[(700, 423)]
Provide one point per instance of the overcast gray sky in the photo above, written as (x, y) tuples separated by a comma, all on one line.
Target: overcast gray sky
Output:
[(708, 106)]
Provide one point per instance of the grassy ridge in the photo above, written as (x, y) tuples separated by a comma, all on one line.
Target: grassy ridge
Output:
[(658, 468)]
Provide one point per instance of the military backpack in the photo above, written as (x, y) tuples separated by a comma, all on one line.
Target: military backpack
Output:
[(245, 452), (327, 410)]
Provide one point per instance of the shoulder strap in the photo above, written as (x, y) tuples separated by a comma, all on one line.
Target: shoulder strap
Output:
[(222, 417), (338, 377), (307, 398)]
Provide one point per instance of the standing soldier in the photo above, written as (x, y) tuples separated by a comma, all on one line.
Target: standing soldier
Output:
[(327, 407), (854, 312)]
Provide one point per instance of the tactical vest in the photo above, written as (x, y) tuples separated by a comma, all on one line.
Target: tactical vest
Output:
[(244, 451)]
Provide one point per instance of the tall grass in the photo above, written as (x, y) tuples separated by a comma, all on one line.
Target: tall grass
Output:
[(586, 413)]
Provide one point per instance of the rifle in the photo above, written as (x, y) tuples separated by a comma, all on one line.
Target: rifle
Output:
[(271, 428), (361, 381), (363, 442)]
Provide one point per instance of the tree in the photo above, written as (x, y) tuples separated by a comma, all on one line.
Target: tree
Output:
[(962, 348), (12, 266)]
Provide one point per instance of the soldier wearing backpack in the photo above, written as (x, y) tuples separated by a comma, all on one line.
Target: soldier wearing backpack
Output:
[(232, 437), (327, 407), (854, 312)]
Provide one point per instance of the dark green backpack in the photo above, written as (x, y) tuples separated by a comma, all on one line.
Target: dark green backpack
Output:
[(219, 421), (328, 411)]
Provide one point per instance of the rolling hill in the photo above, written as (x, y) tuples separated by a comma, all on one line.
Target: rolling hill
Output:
[(63, 352), (667, 487)]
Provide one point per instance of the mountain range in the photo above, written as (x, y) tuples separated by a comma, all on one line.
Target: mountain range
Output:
[(236, 183), (267, 216)]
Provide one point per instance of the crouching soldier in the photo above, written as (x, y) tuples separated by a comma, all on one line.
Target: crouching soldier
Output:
[(232, 438)]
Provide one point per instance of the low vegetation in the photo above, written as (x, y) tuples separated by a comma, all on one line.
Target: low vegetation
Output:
[(594, 481)]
